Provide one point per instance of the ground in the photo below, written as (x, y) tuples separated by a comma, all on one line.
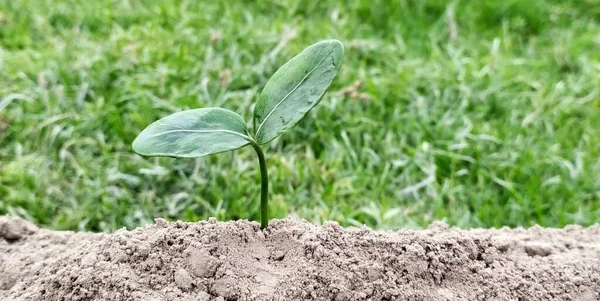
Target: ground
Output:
[(296, 260), (478, 113)]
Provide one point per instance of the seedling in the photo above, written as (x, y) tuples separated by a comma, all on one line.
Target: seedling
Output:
[(286, 99)]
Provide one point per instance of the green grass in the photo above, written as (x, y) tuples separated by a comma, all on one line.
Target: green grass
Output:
[(479, 113)]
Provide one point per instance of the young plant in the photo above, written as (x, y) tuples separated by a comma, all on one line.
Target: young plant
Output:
[(287, 97)]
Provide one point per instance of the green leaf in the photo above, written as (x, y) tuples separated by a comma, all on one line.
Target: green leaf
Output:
[(296, 88), (193, 133)]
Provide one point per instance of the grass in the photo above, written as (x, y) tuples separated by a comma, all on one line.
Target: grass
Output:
[(479, 113)]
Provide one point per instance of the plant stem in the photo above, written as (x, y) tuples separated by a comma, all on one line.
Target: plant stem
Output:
[(264, 186)]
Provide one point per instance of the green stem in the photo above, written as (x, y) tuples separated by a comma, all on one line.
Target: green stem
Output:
[(264, 186)]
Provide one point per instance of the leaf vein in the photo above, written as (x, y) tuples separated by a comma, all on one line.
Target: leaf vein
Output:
[(293, 90), (200, 132)]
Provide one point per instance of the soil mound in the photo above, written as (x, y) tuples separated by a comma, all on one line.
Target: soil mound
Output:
[(295, 260)]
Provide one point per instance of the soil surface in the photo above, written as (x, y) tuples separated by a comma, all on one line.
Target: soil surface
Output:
[(296, 260)]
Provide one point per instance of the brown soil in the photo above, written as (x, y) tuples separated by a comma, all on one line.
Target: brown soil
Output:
[(295, 260)]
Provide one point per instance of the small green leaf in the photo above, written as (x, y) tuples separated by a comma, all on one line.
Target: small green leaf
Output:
[(296, 88), (193, 133)]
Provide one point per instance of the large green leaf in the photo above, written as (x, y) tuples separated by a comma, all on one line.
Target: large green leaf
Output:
[(296, 88), (193, 133)]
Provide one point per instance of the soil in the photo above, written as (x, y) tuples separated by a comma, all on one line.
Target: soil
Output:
[(296, 260)]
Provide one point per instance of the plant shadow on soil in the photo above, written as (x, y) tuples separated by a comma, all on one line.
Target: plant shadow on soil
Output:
[(295, 260)]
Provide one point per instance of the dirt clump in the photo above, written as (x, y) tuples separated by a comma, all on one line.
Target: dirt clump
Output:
[(12, 228), (295, 260)]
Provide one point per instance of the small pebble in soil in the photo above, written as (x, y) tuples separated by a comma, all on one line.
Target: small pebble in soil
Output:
[(278, 255), (160, 222), (533, 249), (203, 296), (183, 279), (201, 263)]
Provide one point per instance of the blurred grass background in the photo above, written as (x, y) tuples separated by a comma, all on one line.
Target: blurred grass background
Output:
[(479, 113)]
